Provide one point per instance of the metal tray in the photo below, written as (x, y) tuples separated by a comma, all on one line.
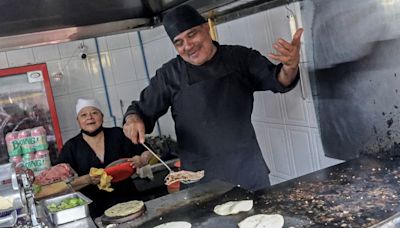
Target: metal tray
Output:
[(9, 220), (67, 215), (9, 188)]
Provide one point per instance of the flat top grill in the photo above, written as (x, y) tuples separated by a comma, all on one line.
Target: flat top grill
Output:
[(357, 193)]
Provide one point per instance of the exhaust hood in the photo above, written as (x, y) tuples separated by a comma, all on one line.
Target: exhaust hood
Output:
[(26, 23)]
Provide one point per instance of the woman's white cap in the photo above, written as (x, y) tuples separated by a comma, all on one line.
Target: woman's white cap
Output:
[(83, 103)]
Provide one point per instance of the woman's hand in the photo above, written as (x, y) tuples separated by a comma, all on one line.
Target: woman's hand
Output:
[(140, 161), (146, 156), (136, 161), (94, 179)]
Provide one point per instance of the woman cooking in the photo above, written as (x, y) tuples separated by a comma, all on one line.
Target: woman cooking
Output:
[(96, 146)]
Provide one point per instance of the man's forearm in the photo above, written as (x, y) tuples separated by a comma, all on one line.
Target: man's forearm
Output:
[(133, 117), (287, 75), (133, 109)]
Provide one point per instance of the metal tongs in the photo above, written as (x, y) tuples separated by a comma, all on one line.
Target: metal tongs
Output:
[(166, 166)]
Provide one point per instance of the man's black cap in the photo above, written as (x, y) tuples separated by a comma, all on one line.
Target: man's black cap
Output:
[(181, 19)]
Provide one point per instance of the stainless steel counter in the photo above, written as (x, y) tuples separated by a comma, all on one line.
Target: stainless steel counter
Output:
[(81, 223)]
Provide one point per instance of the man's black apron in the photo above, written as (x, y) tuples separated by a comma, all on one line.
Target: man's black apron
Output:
[(214, 131)]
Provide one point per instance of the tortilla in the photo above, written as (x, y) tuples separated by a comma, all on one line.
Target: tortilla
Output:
[(183, 176), (262, 221), (124, 209), (6, 203), (177, 224), (233, 207)]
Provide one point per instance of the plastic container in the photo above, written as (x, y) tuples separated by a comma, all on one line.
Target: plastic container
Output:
[(9, 189), (43, 160), (67, 215), (39, 137), (27, 160), (13, 146), (28, 157), (174, 187), (24, 138)]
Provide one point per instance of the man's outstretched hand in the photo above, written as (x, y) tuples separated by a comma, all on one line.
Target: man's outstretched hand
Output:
[(289, 55)]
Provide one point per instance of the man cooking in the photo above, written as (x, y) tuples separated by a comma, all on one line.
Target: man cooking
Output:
[(210, 88)]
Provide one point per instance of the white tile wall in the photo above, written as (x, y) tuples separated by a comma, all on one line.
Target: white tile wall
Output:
[(91, 45), (3, 60), (20, 57), (77, 74), (295, 108), (107, 68), (259, 40), (134, 39), (66, 113), (242, 32), (46, 53), (141, 85), (115, 104), (59, 87), (157, 53), (102, 43), (153, 34), (301, 148), (268, 107), (138, 63), (278, 23), (92, 64), (311, 114), (118, 41), (122, 67), (100, 95), (225, 33), (69, 49), (278, 140), (128, 92)]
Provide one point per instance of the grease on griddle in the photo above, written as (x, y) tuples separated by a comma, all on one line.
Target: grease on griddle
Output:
[(389, 122), (347, 198)]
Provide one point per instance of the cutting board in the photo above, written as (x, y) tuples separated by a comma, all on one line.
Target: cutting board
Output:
[(51, 190)]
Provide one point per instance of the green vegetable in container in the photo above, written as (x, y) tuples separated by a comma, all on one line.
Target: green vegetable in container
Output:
[(66, 204)]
